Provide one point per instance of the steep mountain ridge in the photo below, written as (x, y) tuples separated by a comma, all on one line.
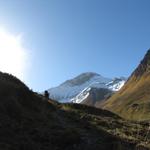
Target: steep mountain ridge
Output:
[(78, 89), (133, 100), (144, 66)]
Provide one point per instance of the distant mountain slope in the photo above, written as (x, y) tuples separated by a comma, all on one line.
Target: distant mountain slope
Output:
[(96, 95), (133, 100), (29, 121), (79, 89)]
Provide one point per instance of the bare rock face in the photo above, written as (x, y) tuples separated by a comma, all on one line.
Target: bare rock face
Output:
[(144, 66)]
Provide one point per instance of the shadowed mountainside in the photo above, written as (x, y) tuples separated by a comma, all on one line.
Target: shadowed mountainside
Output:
[(96, 96), (30, 121)]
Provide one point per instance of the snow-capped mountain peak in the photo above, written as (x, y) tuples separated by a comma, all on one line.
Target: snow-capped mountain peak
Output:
[(78, 88), (116, 84), (83, 78)]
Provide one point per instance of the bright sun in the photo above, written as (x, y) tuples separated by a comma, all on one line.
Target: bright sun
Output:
[(12, 54)]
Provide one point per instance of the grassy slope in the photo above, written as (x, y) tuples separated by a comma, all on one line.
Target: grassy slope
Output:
[(29, 121), (133, 100)]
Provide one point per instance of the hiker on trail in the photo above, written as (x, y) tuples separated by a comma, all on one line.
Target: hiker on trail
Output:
[(46, 94)]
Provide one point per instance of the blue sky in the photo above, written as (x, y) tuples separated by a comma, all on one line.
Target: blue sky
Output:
[(69, 37)]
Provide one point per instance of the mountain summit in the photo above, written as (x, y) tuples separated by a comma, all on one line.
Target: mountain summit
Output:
[(144, 66), (81, 79), (133, 100), (89, 85)]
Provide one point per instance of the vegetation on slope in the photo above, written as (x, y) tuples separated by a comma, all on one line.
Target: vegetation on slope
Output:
[(133, 100), (30, 121)]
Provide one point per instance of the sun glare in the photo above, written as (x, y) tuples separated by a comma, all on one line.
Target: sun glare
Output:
[(12, 54)]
